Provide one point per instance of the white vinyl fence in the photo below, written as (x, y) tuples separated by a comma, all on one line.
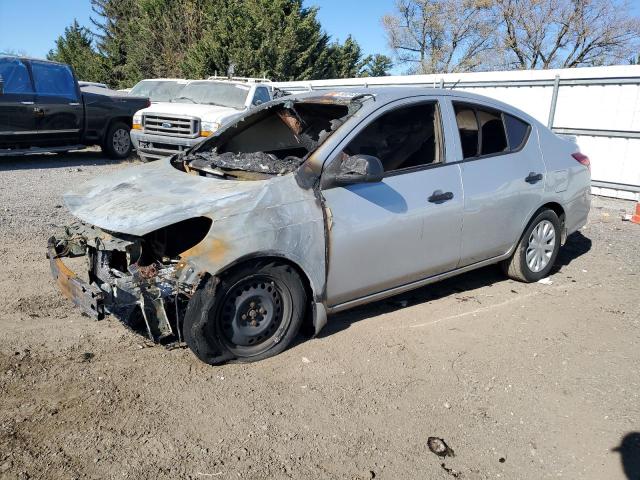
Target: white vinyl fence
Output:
[(600, 106)]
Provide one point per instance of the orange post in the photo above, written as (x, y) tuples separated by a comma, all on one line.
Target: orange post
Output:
[(636, 217)]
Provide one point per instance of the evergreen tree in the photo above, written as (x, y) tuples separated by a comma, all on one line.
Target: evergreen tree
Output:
[(116, 36), (375, 66), (75, 47), (279, 39)]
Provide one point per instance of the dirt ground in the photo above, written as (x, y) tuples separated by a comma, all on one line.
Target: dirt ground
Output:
[(522, 381)]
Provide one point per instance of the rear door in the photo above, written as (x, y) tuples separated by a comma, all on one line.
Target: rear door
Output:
[(17, 118), (406, 227), (59, 111), (503, 178)]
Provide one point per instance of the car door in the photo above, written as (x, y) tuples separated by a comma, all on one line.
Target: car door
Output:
[(406, 227), (59, 111), (17, 118), (503, 179)]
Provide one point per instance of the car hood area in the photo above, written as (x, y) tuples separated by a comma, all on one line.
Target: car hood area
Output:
[(207, 113), (144, 198)]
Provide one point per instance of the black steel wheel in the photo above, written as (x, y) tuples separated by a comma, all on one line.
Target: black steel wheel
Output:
[(253, 313)]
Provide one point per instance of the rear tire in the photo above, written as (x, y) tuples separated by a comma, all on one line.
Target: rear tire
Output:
[(117, 142), (252, 313), (537, 250)]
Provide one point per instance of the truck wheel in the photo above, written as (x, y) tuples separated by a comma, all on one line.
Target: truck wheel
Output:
[(117, 142), (251, 314)]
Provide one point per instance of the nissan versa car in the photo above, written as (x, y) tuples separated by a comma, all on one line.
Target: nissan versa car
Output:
[(314, 204)]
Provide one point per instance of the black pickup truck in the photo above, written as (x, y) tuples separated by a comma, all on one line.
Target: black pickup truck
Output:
[(43, 109)]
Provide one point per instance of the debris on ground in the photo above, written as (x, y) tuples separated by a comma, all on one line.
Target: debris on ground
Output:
[(450, 471), (440, 447), (86, 357), (546, 281)]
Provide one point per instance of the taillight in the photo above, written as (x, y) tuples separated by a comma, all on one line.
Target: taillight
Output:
[(583, 159)]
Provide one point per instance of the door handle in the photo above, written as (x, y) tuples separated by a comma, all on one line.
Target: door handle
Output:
[(27, 103), (533, 177), (38, 111), (440, 197)]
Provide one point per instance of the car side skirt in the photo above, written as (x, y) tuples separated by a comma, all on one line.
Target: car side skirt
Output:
[(413, 285)]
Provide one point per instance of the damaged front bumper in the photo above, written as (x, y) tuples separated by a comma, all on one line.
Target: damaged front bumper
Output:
[(89, 298), (143, 297)]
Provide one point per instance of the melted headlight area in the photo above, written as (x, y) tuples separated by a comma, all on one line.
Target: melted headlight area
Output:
[(140, 279)]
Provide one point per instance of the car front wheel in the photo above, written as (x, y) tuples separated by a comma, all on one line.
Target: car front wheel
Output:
[(252, 313), (537, 250)]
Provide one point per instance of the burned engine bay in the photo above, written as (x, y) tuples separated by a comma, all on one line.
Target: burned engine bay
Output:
[(275, 141), (140, 280)]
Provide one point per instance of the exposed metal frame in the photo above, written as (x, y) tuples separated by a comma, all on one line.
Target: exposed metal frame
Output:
[(588, 132), (572, 82), (616, 186)]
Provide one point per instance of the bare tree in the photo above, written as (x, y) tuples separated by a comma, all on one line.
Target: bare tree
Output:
[(440, 35), (566, 33)]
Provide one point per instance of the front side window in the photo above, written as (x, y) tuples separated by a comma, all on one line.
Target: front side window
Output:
[(261, 96), (403, 138), (15, 76), (53, 79)]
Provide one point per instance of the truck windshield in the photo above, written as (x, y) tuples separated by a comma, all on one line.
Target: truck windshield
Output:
[(158, 90), (214, 93)]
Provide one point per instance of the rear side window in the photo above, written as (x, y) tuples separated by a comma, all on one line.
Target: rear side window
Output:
[(486, 131), (492, 136), (15, 76), (53, 79), (517, 131), (468, 129)]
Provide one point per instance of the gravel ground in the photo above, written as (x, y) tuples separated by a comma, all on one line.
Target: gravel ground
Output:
[(522, 381)]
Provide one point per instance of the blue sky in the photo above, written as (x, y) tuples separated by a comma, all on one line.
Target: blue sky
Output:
[(31, 26)]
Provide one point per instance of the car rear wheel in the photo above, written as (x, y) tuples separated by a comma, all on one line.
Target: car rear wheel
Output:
[(537, 250), (117, 142), (253, 313)]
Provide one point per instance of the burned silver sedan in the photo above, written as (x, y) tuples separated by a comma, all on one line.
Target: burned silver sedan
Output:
[(315, 204)]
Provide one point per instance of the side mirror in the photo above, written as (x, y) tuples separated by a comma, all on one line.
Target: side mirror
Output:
[(357, 169), (257, 102)]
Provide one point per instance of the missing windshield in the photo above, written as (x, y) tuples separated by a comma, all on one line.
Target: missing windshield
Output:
[(274, 141)]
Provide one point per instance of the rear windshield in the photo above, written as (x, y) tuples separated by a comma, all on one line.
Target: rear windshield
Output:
[(214, 93)]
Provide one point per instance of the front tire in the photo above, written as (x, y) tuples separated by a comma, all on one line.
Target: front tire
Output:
[(117, 142), (250, 314), (537, 250)]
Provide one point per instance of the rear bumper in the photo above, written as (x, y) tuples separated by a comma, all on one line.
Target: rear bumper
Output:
[(88, 298), (159, 146)]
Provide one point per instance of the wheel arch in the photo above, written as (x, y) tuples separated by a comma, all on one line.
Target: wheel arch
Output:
[(558, 209), (122, 118), (316, 315)]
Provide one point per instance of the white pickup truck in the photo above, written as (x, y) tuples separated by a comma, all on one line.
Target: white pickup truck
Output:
[(197, 111)]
